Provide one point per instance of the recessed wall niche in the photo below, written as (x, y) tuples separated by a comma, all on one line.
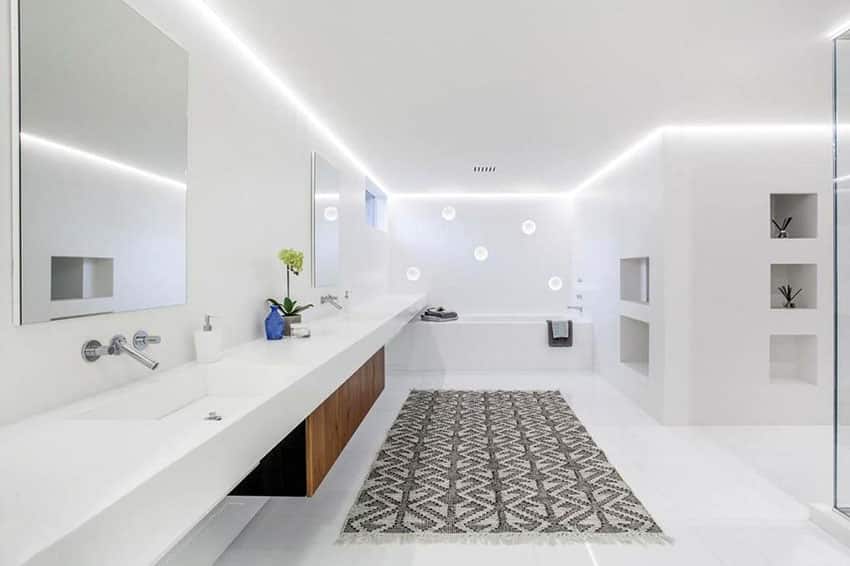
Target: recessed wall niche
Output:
[(801, 208), (794, 358), (797, 276), (81, 278), (634, 279), (634, 344)]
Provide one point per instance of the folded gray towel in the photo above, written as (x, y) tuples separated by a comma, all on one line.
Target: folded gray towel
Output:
[(560, 329), (430, 318), (440, 312)]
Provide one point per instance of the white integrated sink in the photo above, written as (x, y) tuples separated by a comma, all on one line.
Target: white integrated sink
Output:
[(193, 392)]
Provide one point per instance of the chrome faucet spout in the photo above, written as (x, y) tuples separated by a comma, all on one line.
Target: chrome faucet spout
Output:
[(120, 345), (332, 300)]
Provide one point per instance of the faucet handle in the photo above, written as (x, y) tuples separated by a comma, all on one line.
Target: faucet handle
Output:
[(142, 340)]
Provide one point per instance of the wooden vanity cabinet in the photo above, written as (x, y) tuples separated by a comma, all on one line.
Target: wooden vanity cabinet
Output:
[(299, 463)]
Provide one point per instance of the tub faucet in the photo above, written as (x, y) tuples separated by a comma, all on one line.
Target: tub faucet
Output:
[(578, 308), (333, 300)]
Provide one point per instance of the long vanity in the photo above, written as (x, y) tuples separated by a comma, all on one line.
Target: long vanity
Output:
[(99, 194), (147, 459)]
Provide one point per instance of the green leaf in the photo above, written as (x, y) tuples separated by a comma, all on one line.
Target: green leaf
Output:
[(288, 304), (301, 309)]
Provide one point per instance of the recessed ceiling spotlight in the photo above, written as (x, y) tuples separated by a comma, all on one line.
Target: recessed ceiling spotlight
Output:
[(449, 213), (413, 273), (556, 283), (529, 227), (331, 213), (481, 253), (484, 169)]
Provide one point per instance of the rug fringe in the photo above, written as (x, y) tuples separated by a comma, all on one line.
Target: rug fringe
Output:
[(543, 539)]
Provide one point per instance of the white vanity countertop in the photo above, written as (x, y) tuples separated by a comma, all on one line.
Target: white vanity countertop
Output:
[(119, 477)]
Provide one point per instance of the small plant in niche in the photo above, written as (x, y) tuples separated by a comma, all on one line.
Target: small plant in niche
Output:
[(789, 295), (781, 230)]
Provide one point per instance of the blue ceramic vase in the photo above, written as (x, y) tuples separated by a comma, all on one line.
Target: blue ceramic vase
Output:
[(274, 324)]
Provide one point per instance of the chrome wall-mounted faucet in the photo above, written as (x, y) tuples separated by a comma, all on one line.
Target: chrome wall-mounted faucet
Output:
[(579, 307), (331, 299), (93, 350)]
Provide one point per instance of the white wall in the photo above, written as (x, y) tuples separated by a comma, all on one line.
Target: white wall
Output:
[(697, 202), (628, 214), (514, 279), (730, 178), (249, 179)]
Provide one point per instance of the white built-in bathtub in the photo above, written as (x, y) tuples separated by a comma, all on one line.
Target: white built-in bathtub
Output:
[(489, 342)]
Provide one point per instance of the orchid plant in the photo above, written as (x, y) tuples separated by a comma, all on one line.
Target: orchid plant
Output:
[(293, 261)]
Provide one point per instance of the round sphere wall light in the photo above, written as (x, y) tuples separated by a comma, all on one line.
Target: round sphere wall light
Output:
[(481, 253), (556, 283), (529, 227), (449, 213), (413, 273), (331, 213)]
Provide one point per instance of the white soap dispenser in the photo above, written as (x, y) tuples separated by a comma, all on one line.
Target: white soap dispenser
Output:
[(208, 342)]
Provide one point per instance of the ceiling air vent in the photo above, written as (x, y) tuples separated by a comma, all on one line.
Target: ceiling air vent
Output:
[(484, 169)]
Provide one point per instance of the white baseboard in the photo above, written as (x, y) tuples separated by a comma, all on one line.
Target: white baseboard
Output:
[(832, 521)]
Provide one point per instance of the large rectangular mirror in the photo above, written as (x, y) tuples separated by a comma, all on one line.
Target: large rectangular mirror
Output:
[(102, 170), (325, 215)]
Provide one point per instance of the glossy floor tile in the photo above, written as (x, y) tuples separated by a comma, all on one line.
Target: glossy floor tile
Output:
[(729, 496)]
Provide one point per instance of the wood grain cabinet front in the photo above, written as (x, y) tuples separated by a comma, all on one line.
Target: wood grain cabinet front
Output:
[(299, 463), (333, 423)]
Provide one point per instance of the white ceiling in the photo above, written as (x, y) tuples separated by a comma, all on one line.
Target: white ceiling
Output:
[(545, 90)]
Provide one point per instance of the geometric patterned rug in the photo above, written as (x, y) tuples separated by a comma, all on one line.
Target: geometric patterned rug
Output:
[(501, 466)]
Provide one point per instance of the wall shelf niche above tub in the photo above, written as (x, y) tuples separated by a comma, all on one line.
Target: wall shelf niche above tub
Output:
[(634, 344), (797, 276), (794, 359), (800, 208), (634, 279)]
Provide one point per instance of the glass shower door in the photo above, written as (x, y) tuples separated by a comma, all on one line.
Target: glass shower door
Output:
[(842, 274)]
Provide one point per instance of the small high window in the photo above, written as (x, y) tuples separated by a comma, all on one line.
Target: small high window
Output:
[(376, 206)]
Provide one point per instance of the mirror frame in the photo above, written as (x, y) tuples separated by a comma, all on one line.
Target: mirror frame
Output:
[(15, 157), (315, 156), (15, 169)]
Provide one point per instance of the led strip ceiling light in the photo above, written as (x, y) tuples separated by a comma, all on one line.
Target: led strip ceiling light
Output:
[(697, 129), (839, 31), (634, 149), (287, 91), (44, 143), (479, 196)]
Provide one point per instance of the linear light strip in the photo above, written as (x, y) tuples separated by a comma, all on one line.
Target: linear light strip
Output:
[(287, 91), (699, 129), (44, 143), (839, 31), (478, 196), (630, 152)]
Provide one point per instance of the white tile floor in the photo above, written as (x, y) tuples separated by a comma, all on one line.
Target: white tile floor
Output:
[(729, 496)]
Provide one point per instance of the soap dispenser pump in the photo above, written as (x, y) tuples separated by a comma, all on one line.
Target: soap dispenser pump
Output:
[(208, 342)]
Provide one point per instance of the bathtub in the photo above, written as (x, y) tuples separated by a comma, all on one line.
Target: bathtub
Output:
[(489, 342)]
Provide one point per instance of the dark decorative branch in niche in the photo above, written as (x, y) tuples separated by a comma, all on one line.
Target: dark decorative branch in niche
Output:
[(789, 295), (782, 231)]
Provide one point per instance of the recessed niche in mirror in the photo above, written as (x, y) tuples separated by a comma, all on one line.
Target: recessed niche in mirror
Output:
[(102, 178), (325, 248)]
